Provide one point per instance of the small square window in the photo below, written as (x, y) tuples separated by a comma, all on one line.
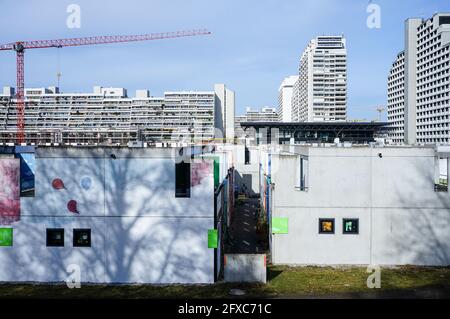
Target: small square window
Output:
[(81, 238), (350, 226), (55, 237), (326, 225)]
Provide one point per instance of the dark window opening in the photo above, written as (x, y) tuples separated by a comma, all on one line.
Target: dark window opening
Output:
[(81, 238), (444, 20), (326, 225), (183, 179), (247, 156), (55, 237), (304, 173), (350, 226)]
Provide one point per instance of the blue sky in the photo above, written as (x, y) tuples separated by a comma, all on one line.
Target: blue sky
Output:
[(254, 45)]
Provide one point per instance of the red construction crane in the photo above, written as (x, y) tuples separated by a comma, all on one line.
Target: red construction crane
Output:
[(21, 46)]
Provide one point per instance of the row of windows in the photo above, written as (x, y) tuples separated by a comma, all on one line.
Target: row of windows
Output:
[(433, 140), (427, 83), (432, 133), (81, 237), (425, 57), (421, 75), (432, 62), (55, 237), (425, 41), (434, 90), (349, 226)]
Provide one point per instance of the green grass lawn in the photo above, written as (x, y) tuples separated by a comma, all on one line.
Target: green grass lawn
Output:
[(283, 282)]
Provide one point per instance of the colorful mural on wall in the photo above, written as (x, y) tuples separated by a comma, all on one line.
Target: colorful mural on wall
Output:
[(9, 190), (199, 172)]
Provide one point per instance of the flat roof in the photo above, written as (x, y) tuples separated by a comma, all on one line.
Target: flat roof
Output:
[(317, 124)]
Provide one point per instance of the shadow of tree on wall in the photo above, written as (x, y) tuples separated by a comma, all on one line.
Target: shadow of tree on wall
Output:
[(423, 236), (149, 245)]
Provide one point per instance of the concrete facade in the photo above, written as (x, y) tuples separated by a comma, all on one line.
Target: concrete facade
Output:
[(418, 83), (245, 268), (247, 172), (140, 232), (109, 116), (391, 191), (320, 92), (224, 112)]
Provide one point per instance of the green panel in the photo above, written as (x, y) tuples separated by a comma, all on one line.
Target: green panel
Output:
[(6, 236), (216, 169), (216, 172), (212, 238), (280, 225)]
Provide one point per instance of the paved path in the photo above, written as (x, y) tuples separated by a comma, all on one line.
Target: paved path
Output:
[(245, 240)]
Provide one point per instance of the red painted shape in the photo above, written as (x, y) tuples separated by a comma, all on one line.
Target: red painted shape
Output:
[(72, 206), (58, 184)]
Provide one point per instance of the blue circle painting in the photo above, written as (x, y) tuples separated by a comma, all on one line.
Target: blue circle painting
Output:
[(86, 183)]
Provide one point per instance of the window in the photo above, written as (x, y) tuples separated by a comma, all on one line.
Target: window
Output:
[(441, 181), (326, 225), (81, 238), (182, 179), (303, 174), (27, 164), (247, 156), (55, 237), (350, 226), (444, 20)]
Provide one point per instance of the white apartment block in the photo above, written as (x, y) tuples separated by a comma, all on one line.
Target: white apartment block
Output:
[(265, 114), (285, 98), (421, 114), (109, 116), (320, 93), (396, 99), (224, 112)]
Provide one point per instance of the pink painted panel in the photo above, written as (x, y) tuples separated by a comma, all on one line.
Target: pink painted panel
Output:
[(199, 171), (9, 190)]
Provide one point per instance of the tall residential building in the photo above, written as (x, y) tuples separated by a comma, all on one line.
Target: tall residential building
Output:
[(224, 112), (285, 99), (418, 83), (109, 116), (396, 99), (320, 93)]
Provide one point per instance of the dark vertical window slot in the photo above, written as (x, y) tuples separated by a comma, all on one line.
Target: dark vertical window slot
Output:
[(183, 179), (247, 156)]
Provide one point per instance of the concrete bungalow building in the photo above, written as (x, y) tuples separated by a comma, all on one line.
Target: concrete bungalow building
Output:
[(121, 215), (357, 205)]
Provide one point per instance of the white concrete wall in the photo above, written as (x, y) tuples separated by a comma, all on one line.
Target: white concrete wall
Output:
[(140, 231), (245, 268), (402, 220), (247, 174)]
